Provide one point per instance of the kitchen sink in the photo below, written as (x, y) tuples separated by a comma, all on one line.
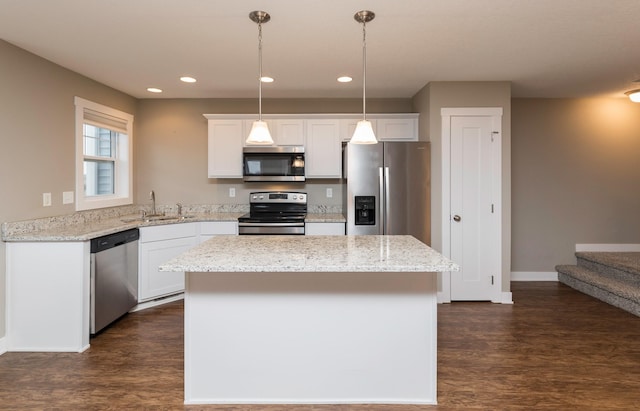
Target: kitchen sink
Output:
[(150, 218)]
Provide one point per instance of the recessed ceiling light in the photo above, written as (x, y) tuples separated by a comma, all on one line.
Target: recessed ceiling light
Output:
[(188, 79), (154, 90), (266, 79), (344, 79)]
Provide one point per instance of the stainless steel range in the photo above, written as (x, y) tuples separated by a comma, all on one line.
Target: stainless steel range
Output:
[(279, 212)]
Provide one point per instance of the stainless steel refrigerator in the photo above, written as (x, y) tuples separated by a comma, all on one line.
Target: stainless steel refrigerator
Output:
[(387, 189)]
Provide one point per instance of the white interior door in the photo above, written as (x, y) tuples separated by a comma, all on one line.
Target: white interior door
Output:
[(474, 195)]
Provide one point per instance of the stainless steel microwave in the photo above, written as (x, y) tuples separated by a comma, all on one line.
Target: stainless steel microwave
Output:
[(273, 163)]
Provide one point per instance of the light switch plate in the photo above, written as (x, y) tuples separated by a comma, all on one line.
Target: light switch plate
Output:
[(46, 199), (67, 197), (329, 192), (232, 192)]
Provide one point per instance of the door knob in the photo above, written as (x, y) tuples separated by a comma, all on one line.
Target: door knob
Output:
[(456, 218)]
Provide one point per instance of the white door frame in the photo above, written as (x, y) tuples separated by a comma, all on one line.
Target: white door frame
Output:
[(444, 296)]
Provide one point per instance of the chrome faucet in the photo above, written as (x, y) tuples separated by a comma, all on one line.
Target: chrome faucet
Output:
[(179, 205), (152, 197)]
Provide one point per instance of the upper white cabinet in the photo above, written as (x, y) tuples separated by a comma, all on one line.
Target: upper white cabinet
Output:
[(321, 134), (287, 132), (387, 127), (323, 149), (225, 142), (397, 128)]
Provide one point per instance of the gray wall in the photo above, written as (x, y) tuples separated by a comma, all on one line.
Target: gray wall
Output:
[(37, 137), (171, 147), (576, 178)]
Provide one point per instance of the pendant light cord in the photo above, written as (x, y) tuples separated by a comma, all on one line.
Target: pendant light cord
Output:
[(364, 70), (259, 71)]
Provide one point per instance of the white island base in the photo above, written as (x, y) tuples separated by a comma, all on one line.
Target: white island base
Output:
[(310, 338), (310, 319)]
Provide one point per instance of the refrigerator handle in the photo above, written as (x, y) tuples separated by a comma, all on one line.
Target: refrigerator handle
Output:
[(382, 202), (387, 201)]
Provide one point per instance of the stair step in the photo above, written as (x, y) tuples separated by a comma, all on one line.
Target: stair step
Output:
[(624, 266), (620, 293)]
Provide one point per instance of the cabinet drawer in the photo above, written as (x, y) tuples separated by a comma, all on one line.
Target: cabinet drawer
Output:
[(164, 232), (219, 228)]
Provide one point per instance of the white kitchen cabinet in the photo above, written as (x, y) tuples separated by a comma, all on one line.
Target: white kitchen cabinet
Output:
[(321, 134), (404, 128), (324, 229), (323, 149), (209, 229), (47, 295), (225, 142), (158, 244), (386, 127), (287, 132)]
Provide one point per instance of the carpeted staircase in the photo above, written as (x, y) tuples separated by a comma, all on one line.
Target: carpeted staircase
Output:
[(613, 277)]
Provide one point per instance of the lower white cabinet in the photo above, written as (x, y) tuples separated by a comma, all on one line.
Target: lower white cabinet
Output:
[(159, 244), (209, 229), (324, 229)]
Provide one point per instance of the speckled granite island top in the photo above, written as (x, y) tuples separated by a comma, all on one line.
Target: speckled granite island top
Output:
[(368, 253)]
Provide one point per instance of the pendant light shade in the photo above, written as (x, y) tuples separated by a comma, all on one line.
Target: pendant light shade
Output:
[(364, 132), (634, 95), (259, 134)]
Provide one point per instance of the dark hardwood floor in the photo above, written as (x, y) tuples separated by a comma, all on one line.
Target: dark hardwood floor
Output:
[(554, 349)]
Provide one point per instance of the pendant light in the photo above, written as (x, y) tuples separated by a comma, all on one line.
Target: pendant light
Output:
[(259, 134), (364, 132), (634, 95)]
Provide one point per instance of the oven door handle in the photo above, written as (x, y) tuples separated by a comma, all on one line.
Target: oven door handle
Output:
[(271, 224)]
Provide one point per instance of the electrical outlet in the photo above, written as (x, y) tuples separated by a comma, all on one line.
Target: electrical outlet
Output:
[(329, 192), (67, 197), (232, 192), (46, 199)]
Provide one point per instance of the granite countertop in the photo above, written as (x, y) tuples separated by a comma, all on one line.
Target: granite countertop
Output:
[(71, 228), (325, 218), (370, 253)]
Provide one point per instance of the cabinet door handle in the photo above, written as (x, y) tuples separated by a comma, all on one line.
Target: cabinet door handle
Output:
[(456, 218)]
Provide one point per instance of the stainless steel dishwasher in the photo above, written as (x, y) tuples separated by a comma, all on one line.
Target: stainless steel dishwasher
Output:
[(114, 277)]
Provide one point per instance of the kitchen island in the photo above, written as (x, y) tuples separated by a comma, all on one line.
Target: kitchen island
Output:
[(296, 319)]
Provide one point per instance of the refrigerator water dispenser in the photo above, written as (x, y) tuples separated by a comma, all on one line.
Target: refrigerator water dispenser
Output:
[(365, 210)]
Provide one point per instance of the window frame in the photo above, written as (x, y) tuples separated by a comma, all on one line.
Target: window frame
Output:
[(123, 166)]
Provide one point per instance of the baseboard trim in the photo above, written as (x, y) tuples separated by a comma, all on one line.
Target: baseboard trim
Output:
[(608, 247), (534, 276), (507, 297), (3, 345)]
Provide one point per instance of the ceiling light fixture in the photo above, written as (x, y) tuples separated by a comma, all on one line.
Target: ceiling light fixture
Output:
[(344, 79), (634, 95), (188, 79), (259, 131), (364, 131), (266, 79), (154, 90)]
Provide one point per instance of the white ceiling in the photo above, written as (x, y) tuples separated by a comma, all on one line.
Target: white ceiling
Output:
[(546, 48)]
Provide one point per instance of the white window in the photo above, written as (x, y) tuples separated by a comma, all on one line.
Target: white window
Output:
[(104, 148)]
